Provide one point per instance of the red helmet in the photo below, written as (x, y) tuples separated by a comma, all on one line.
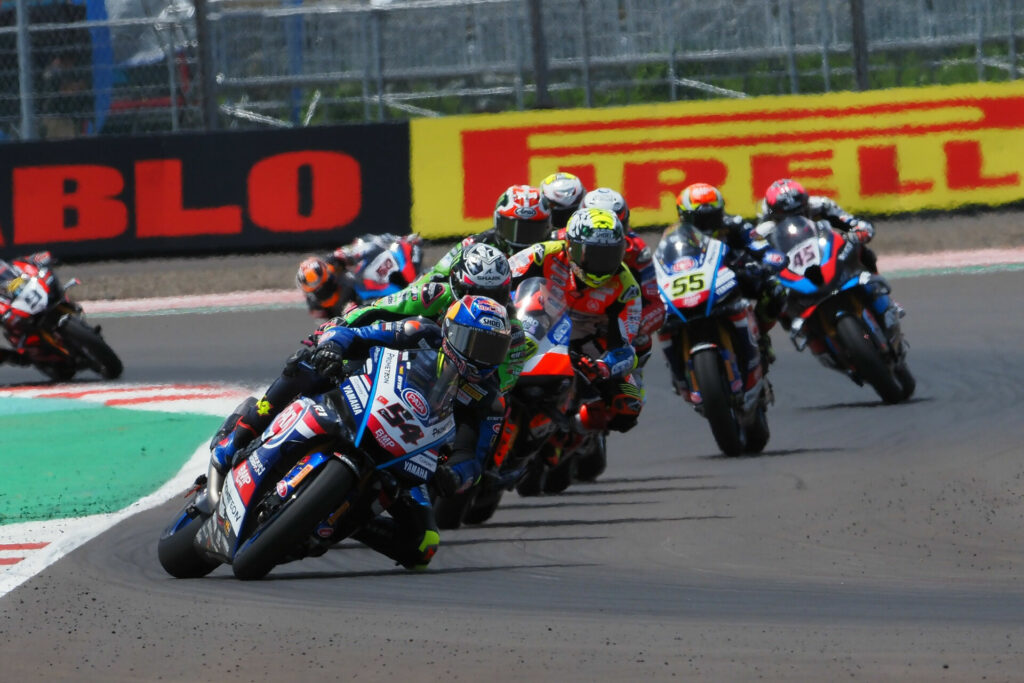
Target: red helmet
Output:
[(522, 216), (785, 197)]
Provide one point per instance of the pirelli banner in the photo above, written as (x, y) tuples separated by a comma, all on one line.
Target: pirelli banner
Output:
[(202, 193), (883, 151)]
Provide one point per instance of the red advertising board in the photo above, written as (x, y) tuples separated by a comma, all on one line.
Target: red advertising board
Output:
[(234, 191)]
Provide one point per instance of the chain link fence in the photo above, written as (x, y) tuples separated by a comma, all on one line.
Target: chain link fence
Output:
[(88, 67)]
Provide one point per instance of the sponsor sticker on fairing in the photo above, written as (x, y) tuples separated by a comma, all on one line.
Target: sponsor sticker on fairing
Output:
[(415, 401)]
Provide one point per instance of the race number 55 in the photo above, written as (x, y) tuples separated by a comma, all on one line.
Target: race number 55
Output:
[(694, 282)]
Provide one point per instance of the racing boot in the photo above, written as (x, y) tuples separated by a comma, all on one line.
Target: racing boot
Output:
[(222, 455), (409, 536)]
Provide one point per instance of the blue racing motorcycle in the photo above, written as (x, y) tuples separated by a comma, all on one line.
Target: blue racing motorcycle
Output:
[(326, 466), (841, 311), (714, 339)]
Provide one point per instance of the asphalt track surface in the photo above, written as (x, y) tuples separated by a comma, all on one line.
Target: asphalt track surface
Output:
[(868, 541)]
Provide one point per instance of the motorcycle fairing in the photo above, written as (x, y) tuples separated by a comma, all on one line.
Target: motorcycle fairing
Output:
[(299, 422), (690, 277), (398, 415)]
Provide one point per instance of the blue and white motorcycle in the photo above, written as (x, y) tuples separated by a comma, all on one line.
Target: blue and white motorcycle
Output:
[(714, 339), (841, 311), (326, 466)]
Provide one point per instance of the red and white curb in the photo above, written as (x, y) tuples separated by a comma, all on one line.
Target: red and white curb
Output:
[(28, 548), (207, 399), (945, 260)]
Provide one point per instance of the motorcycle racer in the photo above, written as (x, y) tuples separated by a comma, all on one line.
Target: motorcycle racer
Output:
[(786, 197), (469, 343), (478, 269), (522, 216), (327, 280), (9, 274), (755, 263), (604, 306), (641, 265)]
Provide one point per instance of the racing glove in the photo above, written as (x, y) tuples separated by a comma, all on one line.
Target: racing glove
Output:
[(593, 369), (861, 233), (329, 356)]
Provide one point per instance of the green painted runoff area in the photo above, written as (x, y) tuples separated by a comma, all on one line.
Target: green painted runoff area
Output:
[(63, 458)]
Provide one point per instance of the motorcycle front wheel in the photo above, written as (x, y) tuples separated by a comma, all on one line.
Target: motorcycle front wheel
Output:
[(177, 552), (867, 360), (91, 346), (717, 402)]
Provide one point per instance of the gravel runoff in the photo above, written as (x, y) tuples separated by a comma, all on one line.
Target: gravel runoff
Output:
[(231, 273)]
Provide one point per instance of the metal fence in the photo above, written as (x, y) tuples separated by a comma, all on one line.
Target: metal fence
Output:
[(88, 67)]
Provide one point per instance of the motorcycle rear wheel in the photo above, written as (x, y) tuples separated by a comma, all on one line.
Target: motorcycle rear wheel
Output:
[(591, 465), (758, 433), (449, 511), (867, 359), (483, 507), (558, 478), (87, 342), (906, 380), (310, 504), (718, 408)]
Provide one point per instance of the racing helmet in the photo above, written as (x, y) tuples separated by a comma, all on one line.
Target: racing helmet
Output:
[(701, 205), (475, 336), (482, 270), (785, 197), (607, 198), (522, 217), (597, 244), (564, 192), (315, 276)]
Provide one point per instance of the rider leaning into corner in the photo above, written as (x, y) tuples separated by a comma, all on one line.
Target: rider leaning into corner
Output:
[(787, 198), (604, 306), (470, 343), (9, 274), (326, 280), (640, 263), (477, 269)]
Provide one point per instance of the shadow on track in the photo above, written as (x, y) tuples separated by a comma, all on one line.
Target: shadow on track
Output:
[(528, 524), (398, 571), (781, 452), (868, 404)]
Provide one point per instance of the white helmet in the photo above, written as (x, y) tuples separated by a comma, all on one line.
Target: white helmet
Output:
[(481, 270), (607, 198), (564, 192)]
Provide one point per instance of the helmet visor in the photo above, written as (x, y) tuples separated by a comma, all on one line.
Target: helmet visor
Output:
[(482, 348), (597, 259), (521, 233)]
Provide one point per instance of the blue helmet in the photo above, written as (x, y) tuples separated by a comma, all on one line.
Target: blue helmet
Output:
[(476, 335)]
